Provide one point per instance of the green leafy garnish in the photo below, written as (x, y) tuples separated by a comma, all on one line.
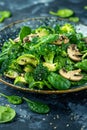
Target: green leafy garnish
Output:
[(37, 107), (36, 59), (7, 114), (13, 99), (64, 13), (82, 65), (25, 30), (4, 15), (58, 82)]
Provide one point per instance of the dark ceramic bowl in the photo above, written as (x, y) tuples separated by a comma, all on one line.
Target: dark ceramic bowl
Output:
[(12, 30)]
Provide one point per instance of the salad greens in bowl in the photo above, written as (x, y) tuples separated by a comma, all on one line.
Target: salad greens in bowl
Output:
[(44, 55)]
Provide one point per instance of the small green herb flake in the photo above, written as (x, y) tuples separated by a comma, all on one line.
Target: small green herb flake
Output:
[(64, 13), (7, 114), (74, 19)]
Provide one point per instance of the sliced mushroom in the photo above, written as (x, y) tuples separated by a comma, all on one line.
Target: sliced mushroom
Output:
[(73, 75), (17, 39), (74, 53), (62, 39), (29, 38)]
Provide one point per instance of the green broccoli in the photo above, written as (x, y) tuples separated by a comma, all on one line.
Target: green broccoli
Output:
[(20, 80), (67, 28), (42, 31), (40, 73), (48, 52), (29, 78)]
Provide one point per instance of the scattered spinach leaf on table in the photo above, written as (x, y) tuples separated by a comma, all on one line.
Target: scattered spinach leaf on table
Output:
[(7, 114), (13, 99), (4, 15), (37, 107), (64, 13)]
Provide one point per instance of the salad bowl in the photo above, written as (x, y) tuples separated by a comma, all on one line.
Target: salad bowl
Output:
[(12, 30)]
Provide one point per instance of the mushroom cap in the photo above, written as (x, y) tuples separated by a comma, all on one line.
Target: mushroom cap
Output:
[(74, 53), (62, 39), (73, 75)]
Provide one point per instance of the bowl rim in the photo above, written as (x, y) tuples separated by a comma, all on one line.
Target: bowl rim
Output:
[(72, 90)]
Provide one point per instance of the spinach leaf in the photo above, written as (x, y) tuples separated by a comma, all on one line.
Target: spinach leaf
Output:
[(37, 107), (64, 13), (82, 65), (7, 114), (24, 32), (58, 82), (4, 15), (13, 99)]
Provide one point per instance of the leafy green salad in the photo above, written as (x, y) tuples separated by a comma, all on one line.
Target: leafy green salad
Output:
[(46, 58)]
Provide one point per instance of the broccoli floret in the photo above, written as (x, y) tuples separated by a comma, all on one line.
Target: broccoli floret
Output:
[(40, 73), (20, 80), (48, 53), (41, 31), (28, 68), (51, 66), (44, 31), (36, 84), (67, 28)]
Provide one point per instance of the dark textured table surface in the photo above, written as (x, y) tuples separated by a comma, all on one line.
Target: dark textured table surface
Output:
[(68, 111)]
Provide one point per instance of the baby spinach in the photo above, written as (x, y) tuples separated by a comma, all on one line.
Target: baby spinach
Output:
[(37, 107), (4, 14), (74, 19), (7, 114), (58, 82), (25, 30), (13, 99), (64, 13), (82, 65)]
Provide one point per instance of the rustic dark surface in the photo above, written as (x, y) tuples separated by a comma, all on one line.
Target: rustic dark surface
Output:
[(68, 111)]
